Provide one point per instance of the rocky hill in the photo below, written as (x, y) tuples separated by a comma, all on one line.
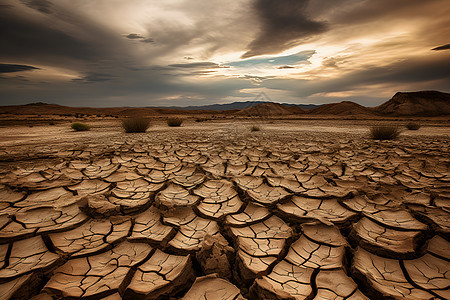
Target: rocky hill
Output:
[(423, 103), (344, 108), (270, 109), (234, 106)]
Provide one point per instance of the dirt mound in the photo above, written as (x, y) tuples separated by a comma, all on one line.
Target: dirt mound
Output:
[(424, 103), (344, 108), (270, 109)]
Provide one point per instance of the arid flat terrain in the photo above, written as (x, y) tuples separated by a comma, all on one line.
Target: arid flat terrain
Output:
[(224, 150), (302, 209)]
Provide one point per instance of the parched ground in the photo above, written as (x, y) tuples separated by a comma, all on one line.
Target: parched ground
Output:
[(298, 210)]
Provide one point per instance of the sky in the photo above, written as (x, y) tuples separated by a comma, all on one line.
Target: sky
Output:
[(107, 53)]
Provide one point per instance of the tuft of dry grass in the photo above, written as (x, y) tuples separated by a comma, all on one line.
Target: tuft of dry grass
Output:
[(201, 119), (174, 122), (384, 132), (78, 126), (135, 124), (255, 128), (412, 126)]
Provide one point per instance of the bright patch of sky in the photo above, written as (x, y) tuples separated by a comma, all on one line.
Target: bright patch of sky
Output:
[(275, 61)]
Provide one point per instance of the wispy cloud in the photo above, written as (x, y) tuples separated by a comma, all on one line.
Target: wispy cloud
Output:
[(11, 68), (136, 36), (443, 47), (94, 77), (43, 6), (197, 65)]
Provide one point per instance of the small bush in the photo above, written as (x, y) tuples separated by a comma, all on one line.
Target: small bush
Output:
[(412, 126), (174, 122), (255, 128), (384, 132), (201, 119), (137, 124), (77, 126)]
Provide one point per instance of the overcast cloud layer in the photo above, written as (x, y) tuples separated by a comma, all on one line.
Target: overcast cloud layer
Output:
[(195, 52)]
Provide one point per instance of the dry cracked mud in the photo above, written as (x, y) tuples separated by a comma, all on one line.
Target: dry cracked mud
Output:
[(226, 215)]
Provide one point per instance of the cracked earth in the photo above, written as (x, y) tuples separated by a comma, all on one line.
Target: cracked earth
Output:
[(226, 214)]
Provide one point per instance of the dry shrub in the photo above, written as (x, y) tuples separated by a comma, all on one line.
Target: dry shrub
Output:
[(201, 119), (255, 128), (135, 124), (78, 126), (384, 132), (412, 126), (174, 122)]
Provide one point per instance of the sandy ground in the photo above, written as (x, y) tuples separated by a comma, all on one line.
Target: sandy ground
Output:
[(61, 133), (302, 209)]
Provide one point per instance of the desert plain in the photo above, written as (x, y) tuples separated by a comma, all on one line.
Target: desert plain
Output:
[(306, 208), (224, 150)]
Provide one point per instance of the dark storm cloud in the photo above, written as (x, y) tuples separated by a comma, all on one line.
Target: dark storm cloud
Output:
[(43, 6), (66, 40), (284, 24), (430, 17), (357, 12), (86, 59), (11, 68), (431, 71), (443, 47), (416, 70), (145, 87), (410, 71), (26, 37)]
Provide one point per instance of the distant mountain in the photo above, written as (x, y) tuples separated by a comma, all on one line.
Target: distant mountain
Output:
[(344, 108), (55, 109), (423, 103), (304, 106), (270, 109), (235, 106)]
